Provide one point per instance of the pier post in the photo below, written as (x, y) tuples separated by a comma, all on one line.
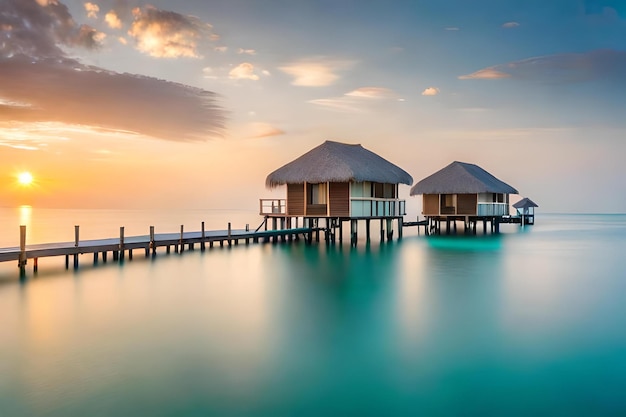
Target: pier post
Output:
[(104, 257), (95, 258), (22, 258), (340, 231), (180, 242), (401, 226), (76, 235), (230, 231), (152, 245), (35, 265), (202, 244), (121, 252), (367, 230), (382, 230)]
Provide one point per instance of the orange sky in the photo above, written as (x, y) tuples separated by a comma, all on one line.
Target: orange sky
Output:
[(122, 104)]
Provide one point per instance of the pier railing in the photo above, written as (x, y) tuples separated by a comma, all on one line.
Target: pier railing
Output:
[(493, 209), (272, 206)]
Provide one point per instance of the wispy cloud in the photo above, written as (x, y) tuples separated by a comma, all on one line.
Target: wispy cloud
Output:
[(246, 51), (430, 91), (372, 92), (491, 73), (358, 100), (602, 64), (315, 72), (36, 76), (510, 25), (259, 130), (452, 28)]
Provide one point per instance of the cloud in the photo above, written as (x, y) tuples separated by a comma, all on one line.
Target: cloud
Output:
[(243, 71), (601, 64), (372, 92), (430, 91), (452, 28), (509, 25), (315, 72), (39, 30), (92, 10), (39, 83), (221, 48), (113, 20), (491, 73), (165, 34), (263, 130), (357, 101), (246, 51), (340, 104)]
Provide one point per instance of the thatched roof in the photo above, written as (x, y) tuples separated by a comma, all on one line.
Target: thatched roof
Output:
[(461, 178), (338, 162), (525, 203)]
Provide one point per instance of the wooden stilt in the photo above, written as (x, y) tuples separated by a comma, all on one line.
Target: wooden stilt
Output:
[(104, 257), (389, 222), (353, 232), (35, 265), (95, 258), (367, 230), (382, 230), (401, 226)]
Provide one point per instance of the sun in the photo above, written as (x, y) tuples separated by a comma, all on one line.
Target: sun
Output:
[(25, 178)]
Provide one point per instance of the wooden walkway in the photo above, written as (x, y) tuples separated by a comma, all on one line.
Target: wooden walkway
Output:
[(121, 246)]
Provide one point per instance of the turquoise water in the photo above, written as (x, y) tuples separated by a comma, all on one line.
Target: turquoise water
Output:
[(526, 323)]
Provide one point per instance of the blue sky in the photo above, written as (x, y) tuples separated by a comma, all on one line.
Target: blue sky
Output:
[(201, 91)]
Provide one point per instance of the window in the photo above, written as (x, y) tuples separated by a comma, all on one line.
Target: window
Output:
[(317, 193)]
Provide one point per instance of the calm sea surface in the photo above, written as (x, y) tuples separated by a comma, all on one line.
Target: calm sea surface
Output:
[(529, 322)]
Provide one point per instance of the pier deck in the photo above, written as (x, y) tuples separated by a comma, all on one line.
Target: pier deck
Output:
[(149, 243)]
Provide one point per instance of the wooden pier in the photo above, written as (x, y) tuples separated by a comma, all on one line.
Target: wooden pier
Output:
[(124, 246)]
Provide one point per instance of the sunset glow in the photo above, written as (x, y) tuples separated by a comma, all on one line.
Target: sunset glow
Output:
[(25, 178)]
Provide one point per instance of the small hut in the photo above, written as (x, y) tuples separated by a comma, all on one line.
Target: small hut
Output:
[(463, 191), (339, 181), (526, 210)]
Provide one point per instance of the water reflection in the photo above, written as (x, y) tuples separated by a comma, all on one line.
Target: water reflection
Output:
[(466, 243)]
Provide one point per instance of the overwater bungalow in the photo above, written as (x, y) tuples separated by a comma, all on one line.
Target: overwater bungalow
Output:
[(338, 182), (465, 192), (526, 210)]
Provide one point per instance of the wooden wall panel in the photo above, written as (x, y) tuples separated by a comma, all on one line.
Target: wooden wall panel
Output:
[(295, 199), (430, 203), (339, 193), (466, 204)]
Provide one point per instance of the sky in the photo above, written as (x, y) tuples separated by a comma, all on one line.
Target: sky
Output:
[(191, 104)]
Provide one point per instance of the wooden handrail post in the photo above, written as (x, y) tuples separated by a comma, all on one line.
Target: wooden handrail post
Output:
[(152, 245), (202, 245), (22, 258), (121, 251), (76, 234)]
